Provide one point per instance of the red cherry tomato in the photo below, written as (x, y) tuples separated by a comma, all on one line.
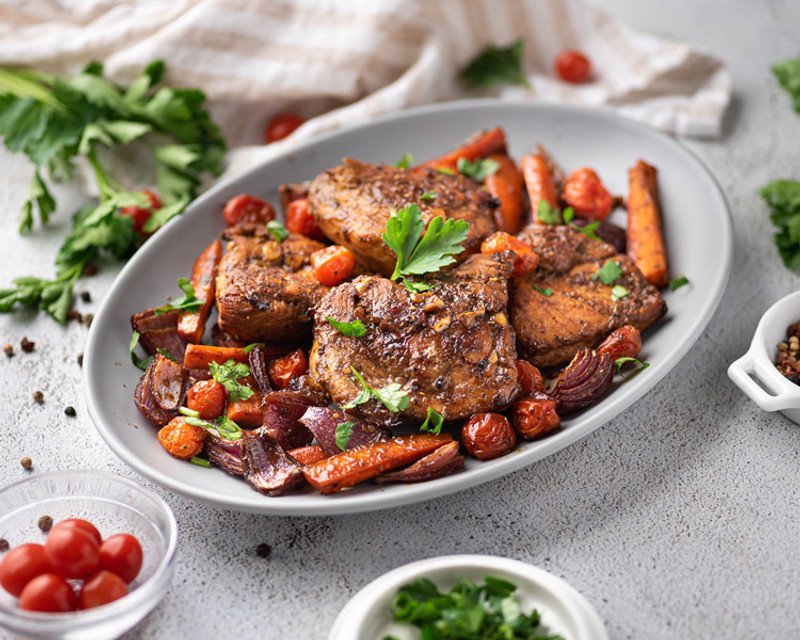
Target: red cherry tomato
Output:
[(122, 554), (247, 208), (72, 552), (300, 220), (573, 66), (281, 126), (333, 264), (207, 397), (84, 525), (21, 565), (141, 215), (102, 588), (48, 592)]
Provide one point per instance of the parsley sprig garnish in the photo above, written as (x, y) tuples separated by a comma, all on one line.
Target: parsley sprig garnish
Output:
[(478, 169), (189, 302), (224, 426), (391, 396), (141, 363), (344, 430), (354, 329), (433, 422), (609, 273), (228, 375), (418, 254), (496, 65), (56, 121)]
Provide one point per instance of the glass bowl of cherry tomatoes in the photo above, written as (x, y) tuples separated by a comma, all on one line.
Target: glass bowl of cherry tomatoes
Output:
[(84, 555)]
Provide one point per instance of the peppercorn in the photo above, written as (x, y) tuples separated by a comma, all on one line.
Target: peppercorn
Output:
[(4, 545), (45, 523), (70, 411), (89, 270), (80, 359), (26, 345), (263, 550), (26, 463), (86, 296), (38, 397), (8, 350), (74, 314)]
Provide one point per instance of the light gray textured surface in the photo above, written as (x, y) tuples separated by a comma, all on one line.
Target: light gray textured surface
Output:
[(677, 519)]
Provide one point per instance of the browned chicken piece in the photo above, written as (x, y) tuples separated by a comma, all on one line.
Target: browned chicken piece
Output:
[(352, 203), (451, 348), (265, 288), (580, 312)]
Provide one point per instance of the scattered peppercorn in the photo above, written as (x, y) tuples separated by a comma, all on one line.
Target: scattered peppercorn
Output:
[(38, 396), (89, 270), (26, 463), (80, 359), (4, 545), (70, 411), (8, 350), (87, 319), (788, 359), (86, 296), (263, 550), (74, 314), (26, 345), (45, 523)]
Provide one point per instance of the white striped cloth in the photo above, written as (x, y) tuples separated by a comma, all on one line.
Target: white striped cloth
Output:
[(342, 62)]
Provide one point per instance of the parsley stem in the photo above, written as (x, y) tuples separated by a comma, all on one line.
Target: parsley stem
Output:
[(24, 83)]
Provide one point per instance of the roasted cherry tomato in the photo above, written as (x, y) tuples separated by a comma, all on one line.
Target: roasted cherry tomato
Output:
[(181, 439), (526, 259), (573, 66), (85, 525), (282, 370), (247, 208), (48, 592), (625, 342), (488, 435), (21, 565), (333, 265), (207, 397), (141, 215), (535, 416), (72, 552), (584, 192), (300, 220), (529, 378), (281, 126), (102, 588), (122, 554)]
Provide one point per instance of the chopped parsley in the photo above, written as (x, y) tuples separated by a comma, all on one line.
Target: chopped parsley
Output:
[(433, 422), (188, 303), (495, 65), (228, 375), (252, 346), (344, 430), (621, 362), (618, 292), (200, 462), (677, 283), (547, 213), (405, 161), (545, 292), (446, 171), (166, 354), (226, 428), (429, 195), (277, 230), (141, 363), (587, 230), (391, 396), (478, 169), (609, 273), (354, 329)]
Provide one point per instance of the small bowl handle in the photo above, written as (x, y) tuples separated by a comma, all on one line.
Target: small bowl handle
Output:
[(761, 383)]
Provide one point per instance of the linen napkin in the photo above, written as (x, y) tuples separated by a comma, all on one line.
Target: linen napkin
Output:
[(344, 62)]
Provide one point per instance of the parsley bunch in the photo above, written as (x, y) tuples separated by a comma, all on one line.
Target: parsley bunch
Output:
[(55, 121)]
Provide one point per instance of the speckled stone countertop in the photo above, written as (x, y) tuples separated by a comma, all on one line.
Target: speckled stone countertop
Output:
[(677, 519)]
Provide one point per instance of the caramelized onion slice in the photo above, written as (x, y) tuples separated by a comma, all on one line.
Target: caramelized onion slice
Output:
[(583, 382)]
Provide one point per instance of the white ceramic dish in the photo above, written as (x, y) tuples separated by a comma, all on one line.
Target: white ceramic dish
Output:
[(755, 372), (563, 610), (576, 137)]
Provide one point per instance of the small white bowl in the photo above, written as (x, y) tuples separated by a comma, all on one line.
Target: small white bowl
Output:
[(563, 610), (114, 505), (755, 372)]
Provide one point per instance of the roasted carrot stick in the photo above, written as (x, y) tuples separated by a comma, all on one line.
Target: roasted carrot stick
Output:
[(199, 356), (307, 455), (506, 185), (479, 146), (192, 324), (247, 413), (355, 465), (645, 238), (538, 182)]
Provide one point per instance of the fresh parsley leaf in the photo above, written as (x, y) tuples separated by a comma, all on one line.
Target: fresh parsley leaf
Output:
[(679, 282), (587, 230), (228, 375), (343, 432), (433, 422), (609, 273), (546, 213), (405, 161), (788, 74), (478, 169), (568, 215), (39, 194), (141, 363), (495, 65), (618, 292), (252, 346), (428, 195), (415, 287), (446, 171), (277, 230), (419, 255), (547, 292), (783, 197), (188, 303), (391, 396), (166, 354), (354, 329), (621, 362), (224, 426)]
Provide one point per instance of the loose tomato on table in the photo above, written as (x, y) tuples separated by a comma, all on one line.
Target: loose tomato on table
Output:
[(141, 215), (572, 66), (21, 565), (283, 370), (102, 588), (207, 397), (300, 220), (281, 126), (122, 554), (333, 265), (585, 193), (247, 208), (48, 593)]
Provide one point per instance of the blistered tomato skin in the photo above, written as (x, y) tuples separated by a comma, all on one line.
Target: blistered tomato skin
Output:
[(283, 370), (535, 416), (122, 554), (102, 588), (573, 66), (207, 397), (281, 126), (247, 208), (625, 342), (72, 552), (48, 593), (79, 523), (21, 565), (488, 435), (529, 378)]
